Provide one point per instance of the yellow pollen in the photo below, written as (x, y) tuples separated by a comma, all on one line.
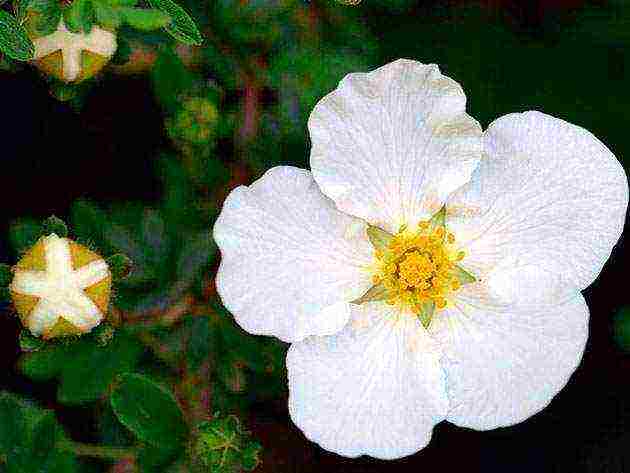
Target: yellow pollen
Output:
[(419, 268)]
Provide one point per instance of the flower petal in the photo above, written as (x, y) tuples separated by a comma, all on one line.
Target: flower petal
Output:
[(376, 388), (291, 262), (504, 362), (547, 193), (390, 145)]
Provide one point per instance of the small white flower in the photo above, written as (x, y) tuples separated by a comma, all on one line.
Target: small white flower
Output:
[(61, 288), (459, 299), (73, 47)]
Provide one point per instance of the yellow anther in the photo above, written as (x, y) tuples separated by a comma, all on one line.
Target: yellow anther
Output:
[(418, 267)]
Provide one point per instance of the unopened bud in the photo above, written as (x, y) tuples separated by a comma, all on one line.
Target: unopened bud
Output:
[(60, 288)]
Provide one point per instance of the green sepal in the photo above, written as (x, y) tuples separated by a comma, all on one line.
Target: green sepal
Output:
[(14, 40), (54, 224), (463, 276), (378, 292), (378, 237), (438, 219), (120, 266), (425, 315), (6, 275), (29, 342)]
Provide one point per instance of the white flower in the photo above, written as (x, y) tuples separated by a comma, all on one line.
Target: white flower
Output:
[(61, 288), (424, 271)]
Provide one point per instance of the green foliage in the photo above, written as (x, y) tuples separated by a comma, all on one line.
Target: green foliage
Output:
[(44, 16), (149, 411), (182, 26), (85, 369), (144, 19), (6, 275), (80, 16), (14, 40), (120, 266), (30, 439), (224, 447)]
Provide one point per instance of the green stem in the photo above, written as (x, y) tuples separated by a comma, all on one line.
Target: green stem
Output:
[(98, 451)]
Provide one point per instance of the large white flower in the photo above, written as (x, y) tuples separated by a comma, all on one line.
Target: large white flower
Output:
[(424, 271)]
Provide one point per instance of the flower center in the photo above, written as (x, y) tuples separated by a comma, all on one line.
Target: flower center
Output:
[(418, 269)]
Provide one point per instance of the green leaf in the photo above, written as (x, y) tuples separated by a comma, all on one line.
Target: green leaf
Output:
[(144, 19), (182, 26), (378, 292), (88, 374), (6, 275), (14, 40), (24, 233), (29, 437), (79, 16), (224, 446), (107, 16), (378, 237), (46, 18), (85, 369), (149, 411)]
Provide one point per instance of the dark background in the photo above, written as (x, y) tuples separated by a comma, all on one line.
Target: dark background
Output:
[(566, 58)]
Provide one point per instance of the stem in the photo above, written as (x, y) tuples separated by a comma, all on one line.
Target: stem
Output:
[(98, 451)]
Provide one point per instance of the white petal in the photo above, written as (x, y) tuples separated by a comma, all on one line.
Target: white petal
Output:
[(547, 193), (504, 362), (290, 261), (390, 145), (376, 388)]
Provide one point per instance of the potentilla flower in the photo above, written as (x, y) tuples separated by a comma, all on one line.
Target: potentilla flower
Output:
[(60, 288), (424, 270)]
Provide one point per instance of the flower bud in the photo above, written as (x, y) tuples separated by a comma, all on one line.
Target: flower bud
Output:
[(73, 57), (60, 288)]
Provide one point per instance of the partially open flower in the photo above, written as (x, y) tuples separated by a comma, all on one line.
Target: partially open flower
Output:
[(60, 288), (74, 57), (424, 270)]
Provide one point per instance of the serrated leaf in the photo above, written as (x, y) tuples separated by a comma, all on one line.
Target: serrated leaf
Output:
[(149, 411), (182, 26), (14, 41), (143, 19)]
